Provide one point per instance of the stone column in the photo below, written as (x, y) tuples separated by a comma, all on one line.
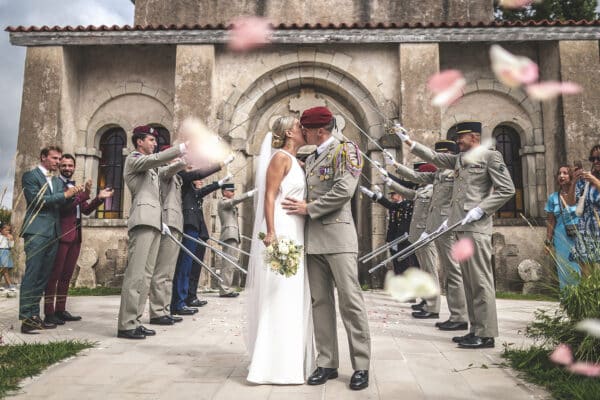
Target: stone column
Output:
[(579, 62), (417, 63)]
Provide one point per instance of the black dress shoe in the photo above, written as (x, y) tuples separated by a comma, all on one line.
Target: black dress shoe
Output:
[(359, 380), (164, 320), (175, 319), (424, 314), (458, 339), (453, 326), (477, 342), (185, 311), (321, 375), (146, 331), (53, 319), (66, 316), (196, 303), (31, 325), (230, 294), (131, 334), (419, 306)]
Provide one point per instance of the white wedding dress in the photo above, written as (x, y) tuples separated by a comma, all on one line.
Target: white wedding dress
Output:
[(279, 333)]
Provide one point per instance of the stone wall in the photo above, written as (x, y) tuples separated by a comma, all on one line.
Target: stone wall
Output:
[(312, 11)]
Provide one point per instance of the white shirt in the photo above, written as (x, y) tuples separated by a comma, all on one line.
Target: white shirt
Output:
[(48, 176), (323, 146), (5, 243)]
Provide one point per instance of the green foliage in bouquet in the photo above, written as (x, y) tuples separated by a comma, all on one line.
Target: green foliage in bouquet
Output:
[(283, 256)]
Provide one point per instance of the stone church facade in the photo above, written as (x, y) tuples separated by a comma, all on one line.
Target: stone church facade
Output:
[(85, 88)]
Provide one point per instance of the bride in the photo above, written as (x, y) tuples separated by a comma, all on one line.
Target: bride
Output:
[(279, 334)]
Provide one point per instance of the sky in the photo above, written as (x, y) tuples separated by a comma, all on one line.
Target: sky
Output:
[(39, 12)]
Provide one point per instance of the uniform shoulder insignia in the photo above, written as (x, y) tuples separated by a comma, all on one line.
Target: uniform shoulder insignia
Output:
[(136, 154), (347, 157)]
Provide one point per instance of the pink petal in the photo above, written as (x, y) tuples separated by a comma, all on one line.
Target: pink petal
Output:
[(562, 355), (462, 250), (514, 3), (583, 368), (447, 86), (550, 89), (512, 70), (249, 33)]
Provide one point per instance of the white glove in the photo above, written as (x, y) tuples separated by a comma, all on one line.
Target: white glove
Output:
[(388, 158), (395, 247), (423, 236), (251, 193), (443, 226), (165, 229), (472, 216), (225, 179), (229, 159), (383, 172), (367, 192), (376, 189), (388, 181), (401, 133)]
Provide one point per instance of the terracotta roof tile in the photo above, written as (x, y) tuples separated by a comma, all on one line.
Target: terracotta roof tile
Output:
[(316, 26)]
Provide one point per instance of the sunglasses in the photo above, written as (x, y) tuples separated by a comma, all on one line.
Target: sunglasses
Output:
[(594, 158)]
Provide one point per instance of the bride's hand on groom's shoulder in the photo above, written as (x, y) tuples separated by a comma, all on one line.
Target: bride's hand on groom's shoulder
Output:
[(268, 239)]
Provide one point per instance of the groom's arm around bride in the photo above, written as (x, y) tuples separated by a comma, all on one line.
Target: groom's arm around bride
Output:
[(332, 175)]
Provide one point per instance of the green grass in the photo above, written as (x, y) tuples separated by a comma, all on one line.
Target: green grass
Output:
[(97, 291), (25, 360), (520, 296), (535, 366)]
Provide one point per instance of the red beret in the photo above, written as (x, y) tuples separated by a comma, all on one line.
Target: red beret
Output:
[(427, 168), (145, 129), (316, 117)]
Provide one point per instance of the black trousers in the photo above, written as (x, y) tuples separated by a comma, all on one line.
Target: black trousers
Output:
[(195, 273), (410, 261)]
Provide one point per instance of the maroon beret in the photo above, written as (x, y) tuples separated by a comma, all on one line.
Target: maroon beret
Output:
[(427, 168), (145, 129), (316, 117)]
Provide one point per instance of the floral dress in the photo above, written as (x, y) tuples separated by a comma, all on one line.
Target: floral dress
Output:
[(587, 245)]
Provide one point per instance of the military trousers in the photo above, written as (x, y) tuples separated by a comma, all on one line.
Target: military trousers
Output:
[(325, 271), (452, 281), (478, 280), (227, 269), (161, 283), (144, 242), (428, 260)]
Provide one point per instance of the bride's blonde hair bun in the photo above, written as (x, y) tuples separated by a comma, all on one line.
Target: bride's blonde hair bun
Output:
[(281, 125)]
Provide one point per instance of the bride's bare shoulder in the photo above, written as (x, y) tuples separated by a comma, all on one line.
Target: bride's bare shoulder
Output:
[(280, 160)]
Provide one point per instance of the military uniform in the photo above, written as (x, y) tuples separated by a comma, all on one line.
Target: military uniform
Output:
[(161, 283), (230, 234), (443, 182), (398, 218), (331, 247), (144, 228), (485, 183)]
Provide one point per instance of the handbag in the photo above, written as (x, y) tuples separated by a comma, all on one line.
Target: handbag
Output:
[(571, 229)]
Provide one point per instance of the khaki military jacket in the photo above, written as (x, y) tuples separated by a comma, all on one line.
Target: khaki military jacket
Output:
[(485, 183), (443, 182), (228, 215), (170, 195), (329, 189), (141, 177)]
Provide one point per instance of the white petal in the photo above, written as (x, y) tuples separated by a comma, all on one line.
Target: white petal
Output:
[(590, 326)]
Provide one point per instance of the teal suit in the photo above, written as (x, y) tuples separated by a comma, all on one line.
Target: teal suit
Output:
[(41, 231)]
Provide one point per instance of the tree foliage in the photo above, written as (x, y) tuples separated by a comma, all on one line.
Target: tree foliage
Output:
[(552, 10)]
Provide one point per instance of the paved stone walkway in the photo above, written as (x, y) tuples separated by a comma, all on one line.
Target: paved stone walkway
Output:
[(204, 357)]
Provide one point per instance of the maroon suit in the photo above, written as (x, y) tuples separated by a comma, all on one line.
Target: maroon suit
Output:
[(68, 251)]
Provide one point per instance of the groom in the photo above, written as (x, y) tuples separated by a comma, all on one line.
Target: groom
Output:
[(332, 174)]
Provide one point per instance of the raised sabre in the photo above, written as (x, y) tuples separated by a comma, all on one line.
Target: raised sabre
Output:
[(193, 256), (383, 248), (217, 251)]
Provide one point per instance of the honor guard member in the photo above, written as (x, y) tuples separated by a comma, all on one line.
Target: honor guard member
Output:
[(482, 185), (439, 208), (426, 255), (230, 235), (144, 227)]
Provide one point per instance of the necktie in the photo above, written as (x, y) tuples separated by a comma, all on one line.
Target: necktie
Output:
[(69, 182)]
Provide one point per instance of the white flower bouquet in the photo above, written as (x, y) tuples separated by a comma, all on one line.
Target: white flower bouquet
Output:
[(283, 256)]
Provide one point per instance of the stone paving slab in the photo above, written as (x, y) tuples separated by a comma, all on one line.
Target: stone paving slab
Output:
[(204, 357)]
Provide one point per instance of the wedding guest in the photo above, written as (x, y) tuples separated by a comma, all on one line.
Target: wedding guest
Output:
[(561, 228), (6, 261)]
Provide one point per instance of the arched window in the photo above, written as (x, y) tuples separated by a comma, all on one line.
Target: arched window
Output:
[(164, 137), (110, 172), (508, 143)]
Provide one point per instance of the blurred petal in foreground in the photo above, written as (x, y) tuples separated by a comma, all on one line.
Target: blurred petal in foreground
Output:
[(248, 33), (412, 283), (590, 326), (204, 146), (511, 70), (562, 355), (513, 4), (551, 89), (447, 87), (462, 250), (475, 155), (584, 368)]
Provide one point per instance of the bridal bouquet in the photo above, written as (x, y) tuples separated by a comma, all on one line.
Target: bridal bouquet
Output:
[(283, 256)]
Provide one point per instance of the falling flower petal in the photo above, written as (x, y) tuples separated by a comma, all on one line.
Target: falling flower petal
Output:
[(551, 89), (583, 368), (516, 3), (249, 33), (475, 155), (590, 326), (511, 70), (205, 148), (447, 87), (562, 355), (412, 283), (462, 250)]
